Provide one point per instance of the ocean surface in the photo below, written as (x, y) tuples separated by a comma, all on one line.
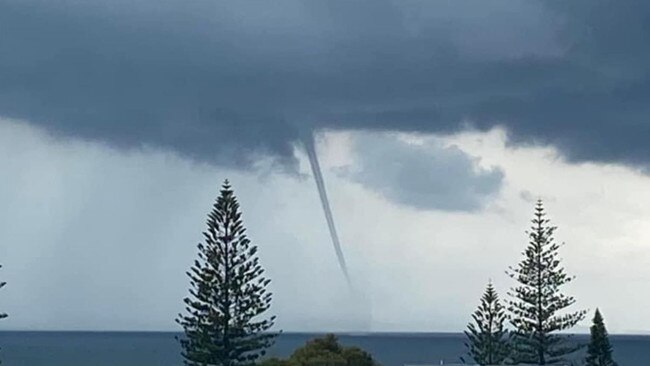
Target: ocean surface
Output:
[(162, 349)]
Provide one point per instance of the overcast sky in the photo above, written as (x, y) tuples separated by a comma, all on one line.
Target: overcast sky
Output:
[(438, 124)]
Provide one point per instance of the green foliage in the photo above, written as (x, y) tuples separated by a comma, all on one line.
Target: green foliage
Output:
[(319, 351), (324, 351), (599, 351), (355, 356), (274, 361), (536, 306), (228, 294), (487, 340)]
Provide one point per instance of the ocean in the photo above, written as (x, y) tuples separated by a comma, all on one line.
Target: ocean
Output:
[(162, 349)]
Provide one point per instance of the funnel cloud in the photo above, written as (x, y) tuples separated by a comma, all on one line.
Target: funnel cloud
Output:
[(322, 193)]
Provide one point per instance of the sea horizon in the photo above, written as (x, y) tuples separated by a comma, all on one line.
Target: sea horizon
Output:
[(161, 348)]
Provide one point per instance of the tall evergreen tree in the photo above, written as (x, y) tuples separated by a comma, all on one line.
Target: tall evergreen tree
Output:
[(224, 322), (487, 340), (537, 309), (599, 351)]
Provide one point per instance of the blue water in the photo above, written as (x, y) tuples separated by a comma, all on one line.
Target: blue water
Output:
[(161, 349)]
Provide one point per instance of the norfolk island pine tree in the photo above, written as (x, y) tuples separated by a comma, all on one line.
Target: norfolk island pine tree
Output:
[(599, 350), (536, 307), (487, 338), (224, 321)]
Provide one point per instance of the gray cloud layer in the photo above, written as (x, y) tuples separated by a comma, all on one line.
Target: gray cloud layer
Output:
[(215, 80), (426, 176)]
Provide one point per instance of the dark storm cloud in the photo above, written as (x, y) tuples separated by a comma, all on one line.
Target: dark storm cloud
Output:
[(424, 176), (216, 80)]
